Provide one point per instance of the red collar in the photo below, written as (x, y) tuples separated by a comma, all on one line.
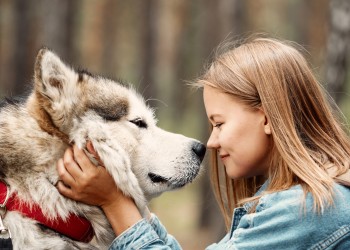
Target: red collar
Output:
[(75, 227)]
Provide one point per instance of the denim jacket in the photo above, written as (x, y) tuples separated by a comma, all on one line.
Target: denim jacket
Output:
[(281, 221)]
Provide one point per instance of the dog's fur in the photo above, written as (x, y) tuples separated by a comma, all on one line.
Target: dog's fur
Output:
[(68, 106)]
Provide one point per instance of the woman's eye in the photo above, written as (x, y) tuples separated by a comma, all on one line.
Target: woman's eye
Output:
[(139, 122), (217, 125)]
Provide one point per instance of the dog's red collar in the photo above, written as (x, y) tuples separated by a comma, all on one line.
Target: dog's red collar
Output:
[(75, 227)]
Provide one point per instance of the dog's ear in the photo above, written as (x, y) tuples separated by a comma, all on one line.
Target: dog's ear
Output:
[(53, 78), (57, 93)]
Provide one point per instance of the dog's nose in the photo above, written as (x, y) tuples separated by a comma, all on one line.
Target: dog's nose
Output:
[(199, 149)]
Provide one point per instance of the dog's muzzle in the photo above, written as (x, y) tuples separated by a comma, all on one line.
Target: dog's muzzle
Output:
[(198, 153)]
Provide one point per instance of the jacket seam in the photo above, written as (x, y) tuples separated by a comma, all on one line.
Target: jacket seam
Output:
[(150, 241), (332, 238)]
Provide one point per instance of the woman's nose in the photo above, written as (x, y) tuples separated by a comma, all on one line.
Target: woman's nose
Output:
[(213, 141)]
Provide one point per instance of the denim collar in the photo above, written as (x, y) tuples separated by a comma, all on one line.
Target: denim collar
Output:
[(247, 206), (239, 212)]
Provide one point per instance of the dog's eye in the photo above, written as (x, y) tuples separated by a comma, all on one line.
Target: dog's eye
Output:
[(139, 122)]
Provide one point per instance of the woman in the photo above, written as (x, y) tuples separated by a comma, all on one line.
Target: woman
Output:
[(284, 155)]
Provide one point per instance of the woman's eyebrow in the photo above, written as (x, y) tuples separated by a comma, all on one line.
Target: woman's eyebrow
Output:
[(211, 117)]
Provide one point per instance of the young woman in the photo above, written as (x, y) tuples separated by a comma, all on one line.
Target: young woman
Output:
[(285, 157)]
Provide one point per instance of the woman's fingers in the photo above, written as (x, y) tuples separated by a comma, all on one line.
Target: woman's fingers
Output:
[(66, 181), (63, 174), (63, 189), (70, 165), (82, 159), (82, 181), (92, 151)]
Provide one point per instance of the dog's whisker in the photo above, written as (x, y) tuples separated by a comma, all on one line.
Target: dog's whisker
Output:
[(153, 99)]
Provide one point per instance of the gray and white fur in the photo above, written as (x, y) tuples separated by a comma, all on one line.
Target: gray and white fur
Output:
[(68, 106)]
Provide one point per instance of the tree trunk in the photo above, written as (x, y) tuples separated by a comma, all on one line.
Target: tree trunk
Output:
[(338, 48), (23, 64)]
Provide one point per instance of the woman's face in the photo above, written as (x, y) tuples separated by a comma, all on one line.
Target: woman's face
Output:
[(241, 135)]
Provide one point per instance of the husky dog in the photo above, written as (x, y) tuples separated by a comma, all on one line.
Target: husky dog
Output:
[(68, 106)]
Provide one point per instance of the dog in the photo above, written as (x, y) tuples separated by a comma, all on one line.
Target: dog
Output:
[(69, 106)]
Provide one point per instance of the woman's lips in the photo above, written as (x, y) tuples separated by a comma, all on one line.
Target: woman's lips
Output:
[(223, 156)]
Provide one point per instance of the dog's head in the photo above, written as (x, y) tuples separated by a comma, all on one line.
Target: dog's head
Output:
[(76, 105)]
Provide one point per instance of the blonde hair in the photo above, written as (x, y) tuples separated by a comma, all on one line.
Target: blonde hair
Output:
[(307, 138)]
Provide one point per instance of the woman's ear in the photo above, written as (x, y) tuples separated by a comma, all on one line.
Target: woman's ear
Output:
[(267, 127)]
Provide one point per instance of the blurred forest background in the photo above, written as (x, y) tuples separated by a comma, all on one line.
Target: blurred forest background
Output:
[(159, 45)]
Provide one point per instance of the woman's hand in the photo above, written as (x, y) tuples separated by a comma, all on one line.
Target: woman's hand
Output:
[(82, 181)]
